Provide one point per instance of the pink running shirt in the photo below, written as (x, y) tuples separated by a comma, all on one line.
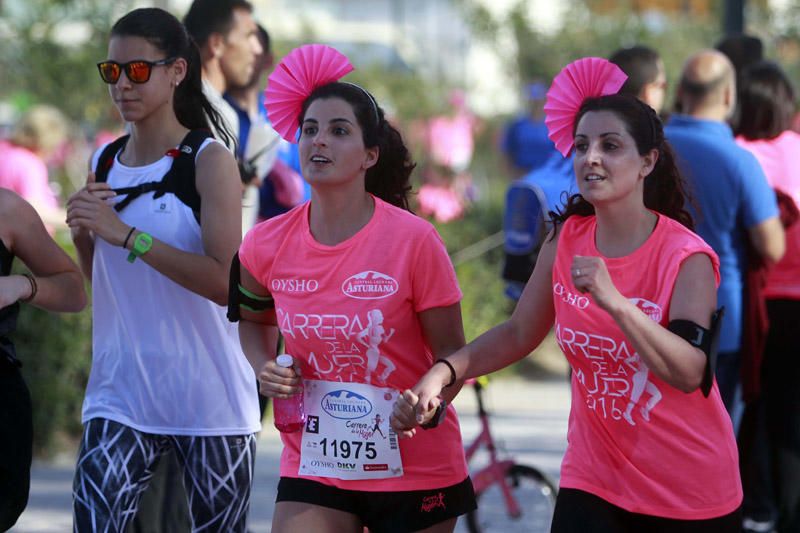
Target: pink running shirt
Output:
[(25, 173), (334, 304), (633, 440), (778, 158)]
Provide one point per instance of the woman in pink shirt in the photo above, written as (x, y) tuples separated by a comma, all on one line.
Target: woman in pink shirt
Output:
[(648, 450), (366, 299), (771, 426)]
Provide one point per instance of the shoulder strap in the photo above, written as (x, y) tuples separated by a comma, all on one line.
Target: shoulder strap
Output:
[(106, 159), (179, 179)]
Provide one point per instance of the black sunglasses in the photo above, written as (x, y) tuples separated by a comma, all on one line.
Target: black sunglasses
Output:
[(138, 71)]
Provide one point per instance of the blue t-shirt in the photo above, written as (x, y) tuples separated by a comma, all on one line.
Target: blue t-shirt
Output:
[(526, 143), (555, 177), (732, 193)]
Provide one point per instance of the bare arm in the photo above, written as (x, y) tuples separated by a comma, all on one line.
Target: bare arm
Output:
[(258, 333), (58, 280), (667, 355), (768, 239), (444, 331), (506, 343), (217, 182)]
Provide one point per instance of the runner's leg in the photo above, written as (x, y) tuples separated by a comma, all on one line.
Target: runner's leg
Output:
[(301, 516), (115, 464), (218, 475)]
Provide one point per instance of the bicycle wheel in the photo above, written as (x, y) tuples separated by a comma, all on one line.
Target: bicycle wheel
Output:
[(535, 494)]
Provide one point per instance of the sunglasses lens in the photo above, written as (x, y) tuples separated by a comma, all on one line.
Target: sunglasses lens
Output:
[(109, 72), (138, 71)]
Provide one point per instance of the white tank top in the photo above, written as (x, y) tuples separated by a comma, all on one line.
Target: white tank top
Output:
[(165, 360)]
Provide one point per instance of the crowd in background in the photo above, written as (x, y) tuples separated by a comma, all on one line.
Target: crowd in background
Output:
[(733, 127)]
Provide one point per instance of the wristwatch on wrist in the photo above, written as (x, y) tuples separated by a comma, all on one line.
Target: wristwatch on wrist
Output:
[(141, 245), (438, 416)]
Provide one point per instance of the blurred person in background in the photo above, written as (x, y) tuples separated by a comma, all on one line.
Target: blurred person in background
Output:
[(449, 145), (742, 50), (35, 139), (227, 35), (737, 207), (647, 79), (769, 438), (54, 283), (279, 186), (525, 143)]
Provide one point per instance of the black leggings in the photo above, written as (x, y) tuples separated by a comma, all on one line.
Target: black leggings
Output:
[(580, 512), (116, 463)]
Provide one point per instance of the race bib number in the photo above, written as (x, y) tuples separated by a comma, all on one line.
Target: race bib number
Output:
[(347, 433)]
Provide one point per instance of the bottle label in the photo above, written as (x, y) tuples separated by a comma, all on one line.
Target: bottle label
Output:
[(347, 433)]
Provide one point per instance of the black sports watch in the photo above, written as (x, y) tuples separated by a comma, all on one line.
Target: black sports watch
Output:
[(438, 416)]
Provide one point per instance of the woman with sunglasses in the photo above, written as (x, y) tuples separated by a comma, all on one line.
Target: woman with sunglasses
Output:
[(167, 371)]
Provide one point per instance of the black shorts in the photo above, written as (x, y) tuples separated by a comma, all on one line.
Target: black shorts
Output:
[(384, 512), (578, 511)]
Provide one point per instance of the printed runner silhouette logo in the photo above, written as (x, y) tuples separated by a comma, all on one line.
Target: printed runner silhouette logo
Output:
[(370, 285), (429, 503)]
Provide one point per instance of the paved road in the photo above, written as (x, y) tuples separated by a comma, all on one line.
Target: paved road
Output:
[(529, 422)]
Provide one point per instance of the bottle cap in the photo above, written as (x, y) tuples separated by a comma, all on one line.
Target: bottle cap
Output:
[(285, 360)]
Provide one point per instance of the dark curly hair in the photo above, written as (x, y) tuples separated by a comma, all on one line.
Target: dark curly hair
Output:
[(388, 179), (665, 190)]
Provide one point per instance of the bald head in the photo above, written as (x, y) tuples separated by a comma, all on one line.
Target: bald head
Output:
[(708, 85)]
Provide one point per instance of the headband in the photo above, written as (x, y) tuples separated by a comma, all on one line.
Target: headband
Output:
[(585, 78), (295, 78), (371, 100)]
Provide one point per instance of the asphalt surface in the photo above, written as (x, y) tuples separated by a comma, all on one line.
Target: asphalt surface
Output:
[(529, 422)]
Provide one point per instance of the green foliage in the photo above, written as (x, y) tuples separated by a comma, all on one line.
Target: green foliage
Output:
[(55, 350), (483, 305), (48, 63), (587, 33)]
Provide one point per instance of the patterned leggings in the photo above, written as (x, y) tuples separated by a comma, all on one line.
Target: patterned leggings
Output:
[(116, 462)]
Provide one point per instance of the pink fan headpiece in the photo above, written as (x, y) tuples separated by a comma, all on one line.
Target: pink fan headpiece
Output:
[(295, 78), (585, 78)]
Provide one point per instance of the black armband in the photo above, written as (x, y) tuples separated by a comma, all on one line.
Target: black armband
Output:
[(239, 297), (705, 339)]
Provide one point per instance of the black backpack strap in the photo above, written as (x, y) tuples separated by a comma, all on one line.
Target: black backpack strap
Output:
[(134, 192), (180, 180), (106, 159)]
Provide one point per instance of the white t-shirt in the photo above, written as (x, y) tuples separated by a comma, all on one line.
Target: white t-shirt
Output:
[(165, 360)]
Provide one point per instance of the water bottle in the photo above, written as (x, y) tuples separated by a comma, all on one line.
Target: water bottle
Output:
[(290, 416)]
